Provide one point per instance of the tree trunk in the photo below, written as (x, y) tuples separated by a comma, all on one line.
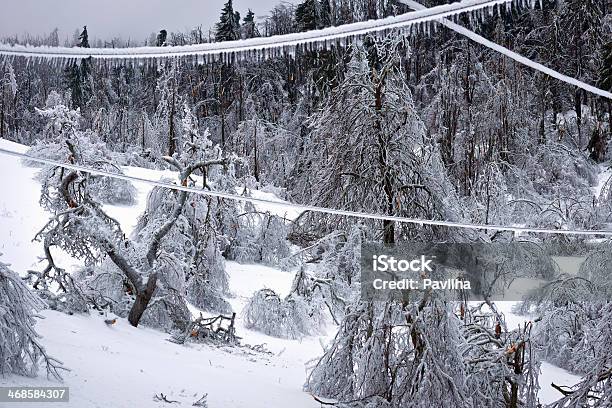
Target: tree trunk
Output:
[(2, 109), (388, 226), (578, 107), (142, 300), (2, 115), (143, 132), (172, 140), (222, 128), (256, 159)]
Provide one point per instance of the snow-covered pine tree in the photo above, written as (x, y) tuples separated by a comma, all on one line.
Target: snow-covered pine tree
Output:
[(307, 15), (249, 26), (227, 29), (83, 38), (326, 17)]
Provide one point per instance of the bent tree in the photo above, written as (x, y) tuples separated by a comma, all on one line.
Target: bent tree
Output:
[(84, 230)]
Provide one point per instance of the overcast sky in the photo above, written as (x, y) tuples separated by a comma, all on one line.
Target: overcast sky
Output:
[(106, 19)]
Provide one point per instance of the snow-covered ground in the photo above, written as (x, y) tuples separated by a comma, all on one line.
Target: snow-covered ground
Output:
[(20, 216), (122, 366)]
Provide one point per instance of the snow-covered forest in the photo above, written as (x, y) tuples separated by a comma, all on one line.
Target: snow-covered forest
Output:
[(235, 287)]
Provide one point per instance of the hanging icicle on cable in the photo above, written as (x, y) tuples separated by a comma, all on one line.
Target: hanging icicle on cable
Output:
[(303, 208), (265, 46), (511, 54)]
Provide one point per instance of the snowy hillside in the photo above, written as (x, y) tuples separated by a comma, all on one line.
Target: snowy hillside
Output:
[(104, 360), (124, 367)]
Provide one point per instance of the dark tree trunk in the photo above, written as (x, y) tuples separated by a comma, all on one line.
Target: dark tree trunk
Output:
[(578, 107), (451, 116), (222, 128), (255, 157), (142, 300), (172, 134), (518, 363), (143, 132), (388, 226), (2, 116)]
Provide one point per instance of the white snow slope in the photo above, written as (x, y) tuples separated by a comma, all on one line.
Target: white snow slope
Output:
[(124, 367)]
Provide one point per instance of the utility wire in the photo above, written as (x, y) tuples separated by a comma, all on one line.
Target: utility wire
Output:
[(261, 43), (420, 15), (511, 54), (304, 208)]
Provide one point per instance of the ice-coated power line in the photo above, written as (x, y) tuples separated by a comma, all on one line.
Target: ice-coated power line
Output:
[(272, 44), (511, 54), (301, 207)]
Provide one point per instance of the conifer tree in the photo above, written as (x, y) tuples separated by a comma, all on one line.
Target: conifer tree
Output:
[(83, 38), (313, 15), (325, 14), (161, 38), (249, 29), (78, 75), (306, 15), (228, 27)]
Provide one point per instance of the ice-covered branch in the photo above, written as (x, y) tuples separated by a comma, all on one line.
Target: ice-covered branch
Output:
[(20, 351)]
